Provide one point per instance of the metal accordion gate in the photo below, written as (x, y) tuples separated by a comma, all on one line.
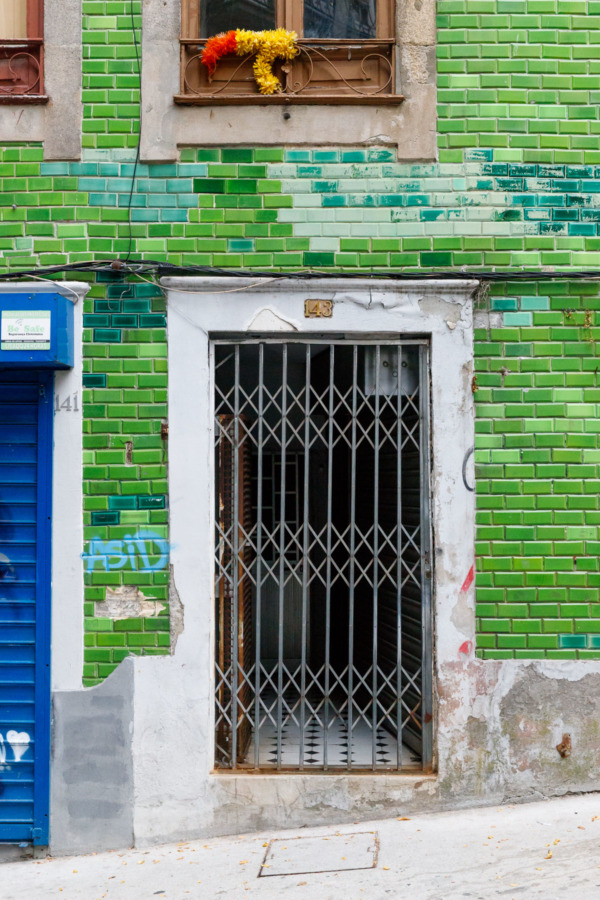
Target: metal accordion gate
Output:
[(323, 656)]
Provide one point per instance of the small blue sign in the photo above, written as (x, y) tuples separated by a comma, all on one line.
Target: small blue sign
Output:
[(36, 329)]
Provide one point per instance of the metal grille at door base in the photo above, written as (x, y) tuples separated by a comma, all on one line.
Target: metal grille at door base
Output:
[(322, 583)]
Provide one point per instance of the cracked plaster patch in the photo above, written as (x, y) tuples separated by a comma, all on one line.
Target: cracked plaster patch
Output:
[(128, 602), (268, 319)]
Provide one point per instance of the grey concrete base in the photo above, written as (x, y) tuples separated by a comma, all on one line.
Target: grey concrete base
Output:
[(15, 852), (92, 772), (541, 850)]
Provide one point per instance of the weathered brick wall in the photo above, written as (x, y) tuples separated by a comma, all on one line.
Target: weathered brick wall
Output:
[(537, 473), (125, 477), (516, 187)]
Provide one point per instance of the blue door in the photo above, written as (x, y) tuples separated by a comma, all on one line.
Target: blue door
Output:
[(25, 530)]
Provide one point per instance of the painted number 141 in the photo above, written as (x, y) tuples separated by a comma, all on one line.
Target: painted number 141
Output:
[(68, 405)]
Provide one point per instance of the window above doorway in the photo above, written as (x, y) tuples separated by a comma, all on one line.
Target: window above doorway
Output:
[(41, 75), (346, 51), (320, 102), (22, 51)]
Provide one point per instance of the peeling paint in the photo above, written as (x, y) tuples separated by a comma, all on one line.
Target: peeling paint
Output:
[(128, 602), (176, 614), (447, 310)]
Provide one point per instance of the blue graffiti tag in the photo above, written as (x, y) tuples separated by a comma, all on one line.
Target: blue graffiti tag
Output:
[(135, 549)]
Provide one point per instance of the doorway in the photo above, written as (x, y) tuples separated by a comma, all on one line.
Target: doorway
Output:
[(26, 408), (323, 650)]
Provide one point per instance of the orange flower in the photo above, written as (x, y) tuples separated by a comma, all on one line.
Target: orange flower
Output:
[(216, 47)]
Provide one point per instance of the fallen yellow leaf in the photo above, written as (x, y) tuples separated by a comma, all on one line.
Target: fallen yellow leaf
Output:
[(403, 819), (548, 855), (386, 867), (243, 862)]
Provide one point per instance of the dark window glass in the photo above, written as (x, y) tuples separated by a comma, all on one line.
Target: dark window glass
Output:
[(353, 19), (223, 15)]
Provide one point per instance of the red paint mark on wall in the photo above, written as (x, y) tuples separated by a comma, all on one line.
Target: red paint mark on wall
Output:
[(468, 580), (467, 646)]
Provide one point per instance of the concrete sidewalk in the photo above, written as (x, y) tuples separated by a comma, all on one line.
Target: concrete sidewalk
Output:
[(549, 849)]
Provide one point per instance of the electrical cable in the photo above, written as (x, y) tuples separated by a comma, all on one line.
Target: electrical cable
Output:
[(160, 268), (61, 287), (139, 138)]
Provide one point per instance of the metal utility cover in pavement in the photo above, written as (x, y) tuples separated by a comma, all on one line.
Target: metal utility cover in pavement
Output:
[(308, 855)]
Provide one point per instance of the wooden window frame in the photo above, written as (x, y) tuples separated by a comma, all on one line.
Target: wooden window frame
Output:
[(339, 71), (22, 61)]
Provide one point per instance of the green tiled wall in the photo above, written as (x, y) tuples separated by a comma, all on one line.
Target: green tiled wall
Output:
[(538, 477), (125, 477), (516, 186)]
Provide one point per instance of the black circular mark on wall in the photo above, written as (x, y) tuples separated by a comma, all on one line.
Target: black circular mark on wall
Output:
[(466, 459)]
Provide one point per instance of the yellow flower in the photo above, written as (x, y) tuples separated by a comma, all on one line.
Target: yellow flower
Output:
[(268, 46)]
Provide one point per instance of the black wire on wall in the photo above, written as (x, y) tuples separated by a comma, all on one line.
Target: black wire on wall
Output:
[(139, 138), (158, 268)]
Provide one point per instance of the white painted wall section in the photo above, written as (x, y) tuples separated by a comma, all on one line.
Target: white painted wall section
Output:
[(177, 793)]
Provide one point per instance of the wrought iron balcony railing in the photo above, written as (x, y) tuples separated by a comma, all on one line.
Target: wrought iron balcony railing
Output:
[(325, 71), (22, 70)]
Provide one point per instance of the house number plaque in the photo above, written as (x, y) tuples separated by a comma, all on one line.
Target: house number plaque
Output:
[(318, 309)]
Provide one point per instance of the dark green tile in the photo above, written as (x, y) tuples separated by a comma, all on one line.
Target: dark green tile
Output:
[(237, 155), (122, 502), (571, 641), (94, 381), (124, 321), (319, 259), (105, 518), (209, 185), (156, 502), (107, 335)]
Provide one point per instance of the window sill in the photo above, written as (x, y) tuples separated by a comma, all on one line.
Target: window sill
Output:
[(20, 99), (283, 99)]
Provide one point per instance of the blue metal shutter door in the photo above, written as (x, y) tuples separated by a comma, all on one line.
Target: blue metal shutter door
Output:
[(25, 496)]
